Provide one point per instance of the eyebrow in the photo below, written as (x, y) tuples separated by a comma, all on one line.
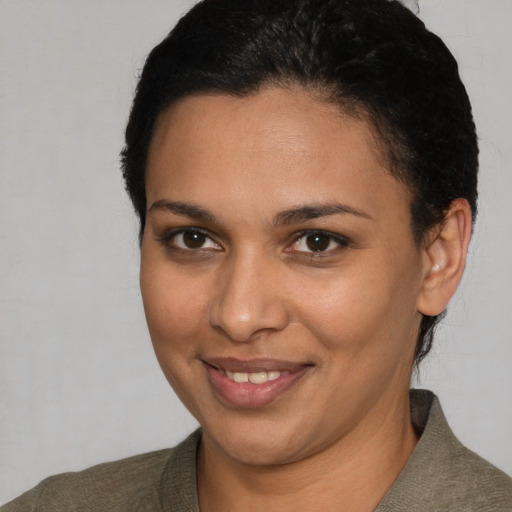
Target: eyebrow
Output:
[(286, 217), (186, 209), (314, 211)]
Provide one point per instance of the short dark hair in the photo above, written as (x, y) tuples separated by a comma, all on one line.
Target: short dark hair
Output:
[(371, 57)]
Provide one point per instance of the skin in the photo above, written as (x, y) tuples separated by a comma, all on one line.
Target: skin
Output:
[(248, 286)]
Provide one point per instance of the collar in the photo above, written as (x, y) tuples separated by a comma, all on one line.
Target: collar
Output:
[(440, 469)]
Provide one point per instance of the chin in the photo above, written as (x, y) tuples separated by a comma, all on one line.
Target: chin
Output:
[(257, 443)]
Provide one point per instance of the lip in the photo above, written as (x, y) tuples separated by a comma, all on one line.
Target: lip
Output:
[(247, 395)]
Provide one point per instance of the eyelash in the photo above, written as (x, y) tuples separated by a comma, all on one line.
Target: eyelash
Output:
[(167, 238), (340, 241)]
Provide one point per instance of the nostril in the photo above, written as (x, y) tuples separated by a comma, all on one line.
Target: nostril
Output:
[(243, 326)]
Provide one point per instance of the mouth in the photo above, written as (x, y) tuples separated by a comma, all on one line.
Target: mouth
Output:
[(255, 377), (252, 383)]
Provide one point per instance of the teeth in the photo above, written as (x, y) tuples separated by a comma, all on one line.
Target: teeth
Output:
[(241, 377), (258, 378), (255, 377)]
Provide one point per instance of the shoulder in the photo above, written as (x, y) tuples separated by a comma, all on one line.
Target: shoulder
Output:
[(135, 483), (463, 480), (477, 484), (108, 486), (442, 474)]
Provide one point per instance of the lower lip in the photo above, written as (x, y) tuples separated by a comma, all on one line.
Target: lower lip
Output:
[(247, 395)]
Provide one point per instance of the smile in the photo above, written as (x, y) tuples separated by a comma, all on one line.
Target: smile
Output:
[(255, 377), (252, 384)]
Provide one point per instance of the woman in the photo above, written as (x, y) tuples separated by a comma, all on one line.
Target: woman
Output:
[(305, 177)]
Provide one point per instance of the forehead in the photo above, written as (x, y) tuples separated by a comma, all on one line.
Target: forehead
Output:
[(286, 117), (276, 145)]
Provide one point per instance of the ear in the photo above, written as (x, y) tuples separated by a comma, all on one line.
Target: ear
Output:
[(444, 258)]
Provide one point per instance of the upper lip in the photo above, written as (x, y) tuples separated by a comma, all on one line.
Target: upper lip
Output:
[(232, 364)]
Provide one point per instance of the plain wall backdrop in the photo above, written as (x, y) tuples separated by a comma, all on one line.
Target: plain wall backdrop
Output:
[(79, 383)]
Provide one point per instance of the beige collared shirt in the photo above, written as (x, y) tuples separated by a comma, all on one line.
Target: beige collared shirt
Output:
[(441, 475)]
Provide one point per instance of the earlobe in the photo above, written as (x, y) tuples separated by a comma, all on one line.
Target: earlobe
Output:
[(445, 258)]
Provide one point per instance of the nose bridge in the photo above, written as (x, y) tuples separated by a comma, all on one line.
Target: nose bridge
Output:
[(248, 299)]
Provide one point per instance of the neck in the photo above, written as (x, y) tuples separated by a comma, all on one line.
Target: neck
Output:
[(352, 475)]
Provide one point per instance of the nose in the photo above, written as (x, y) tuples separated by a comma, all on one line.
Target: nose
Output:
[(249, 301)]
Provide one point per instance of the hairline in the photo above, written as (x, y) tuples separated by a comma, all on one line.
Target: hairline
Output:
[(346, 105)]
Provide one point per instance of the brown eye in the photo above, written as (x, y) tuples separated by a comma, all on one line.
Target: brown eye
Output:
[(318, 242), (193, 240)]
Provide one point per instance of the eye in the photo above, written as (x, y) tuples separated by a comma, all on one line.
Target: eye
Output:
[(190, 239), (318, 242)]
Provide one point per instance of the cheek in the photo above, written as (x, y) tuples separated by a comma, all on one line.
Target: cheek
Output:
[(174, 309), (369, 308)]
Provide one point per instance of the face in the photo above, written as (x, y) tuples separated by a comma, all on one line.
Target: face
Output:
[(279, 274)]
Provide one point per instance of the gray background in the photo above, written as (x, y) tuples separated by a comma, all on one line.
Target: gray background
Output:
[(78, 380)]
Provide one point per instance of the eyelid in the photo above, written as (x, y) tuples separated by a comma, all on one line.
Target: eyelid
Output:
[(166, 237), (340, 240)]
